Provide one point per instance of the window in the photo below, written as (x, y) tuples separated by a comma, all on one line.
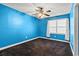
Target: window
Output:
[(52, 26), (59, 26)]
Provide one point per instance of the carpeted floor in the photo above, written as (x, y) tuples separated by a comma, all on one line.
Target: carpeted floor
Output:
[(39, 47)]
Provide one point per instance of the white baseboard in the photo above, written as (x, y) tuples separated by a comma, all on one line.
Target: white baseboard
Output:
[(17, 43), (55, 39), (30, 40), (72, 50)]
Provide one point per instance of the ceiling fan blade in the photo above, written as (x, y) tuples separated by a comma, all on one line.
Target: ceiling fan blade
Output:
[(46, 15), (40, 8), (48, 11)]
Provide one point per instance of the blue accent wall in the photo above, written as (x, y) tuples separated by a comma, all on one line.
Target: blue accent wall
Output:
[(58, 36), (43, 27), (43, 24), (72, 26), (16, 26), (78, 31)]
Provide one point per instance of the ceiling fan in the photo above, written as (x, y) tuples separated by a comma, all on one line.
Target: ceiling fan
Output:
[(40, 12)]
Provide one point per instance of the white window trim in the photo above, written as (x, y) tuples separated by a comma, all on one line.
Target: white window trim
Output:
[(67, 30)]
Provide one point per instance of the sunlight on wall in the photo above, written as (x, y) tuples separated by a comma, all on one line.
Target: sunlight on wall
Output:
[(16, 22)]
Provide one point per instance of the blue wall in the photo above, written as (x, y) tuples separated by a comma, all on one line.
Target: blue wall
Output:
[(43, 24), (72, 26), (78, 31), (16, 26)]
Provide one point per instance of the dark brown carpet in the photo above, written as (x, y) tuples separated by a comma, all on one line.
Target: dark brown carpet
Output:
[(39, 47)]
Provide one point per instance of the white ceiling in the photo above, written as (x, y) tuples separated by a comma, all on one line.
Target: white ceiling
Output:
[(29, 8)]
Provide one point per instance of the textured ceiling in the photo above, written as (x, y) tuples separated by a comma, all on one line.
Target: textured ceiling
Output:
[(29, 8)]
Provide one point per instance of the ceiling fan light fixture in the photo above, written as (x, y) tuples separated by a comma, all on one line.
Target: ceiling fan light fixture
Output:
[(41, 13)]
